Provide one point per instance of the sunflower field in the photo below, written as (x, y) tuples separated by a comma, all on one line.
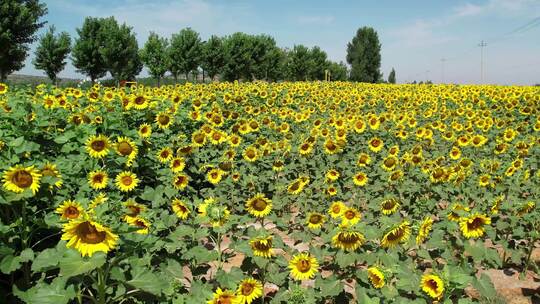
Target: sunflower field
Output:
[(306, 192)]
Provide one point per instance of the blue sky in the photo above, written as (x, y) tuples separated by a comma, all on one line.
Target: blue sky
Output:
[(415, 35)]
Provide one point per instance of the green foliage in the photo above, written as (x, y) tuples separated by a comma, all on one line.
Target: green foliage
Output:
[(338, 71), (184, 52), (318, 63), (364, 56), (19, 21), (392, 76), (238, 57), (86, 54), (154, 56), (213, 56), (52, 52), (299, 63), (120, 51)]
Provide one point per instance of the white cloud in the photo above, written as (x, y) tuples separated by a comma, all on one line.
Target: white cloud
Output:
[(468, 10)]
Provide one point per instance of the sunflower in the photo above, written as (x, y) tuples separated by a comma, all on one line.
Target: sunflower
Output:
[(330, 147), (303, 266), (127, 148), (360, 179), (424, 230), (3, 88), (484, 180), (50, 170), (389, 163), (88, 236), (376, 277), (348, 240), (332, 175), (70, 210), (19, 178), (178, 164), (180, 208), (248, 290), (98, 200), (315, 220), (164, 120), (296, 187), (145, 130), (396, 235), (250, 154), (526, 208), (133, 208), (140, 102), (126, 181), (98, 179), (180, 181), (259, 205), (97, 146), (432, 285), (389, 206), (305, 148), (143, 224), (224, 297), (262, 246), (363, 160), (376, 144), (455, 153), (165, 154), (473, 226), (336, 209), (350, 216), (453, 215), (214, 176)]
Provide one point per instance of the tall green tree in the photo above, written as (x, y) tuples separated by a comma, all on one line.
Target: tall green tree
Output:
[(51, 53), (392, 76), (238, 57), (19, 21), (318, 63), (184, 52), (364, 56), (120, 51), (338, 71), (86, 54), (213, 56), (154, 56), (262, 47), (275, 66), (299, 63)]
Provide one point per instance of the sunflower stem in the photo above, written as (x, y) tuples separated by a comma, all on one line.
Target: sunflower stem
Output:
[(101, 286), (218, 246), (529, 254)]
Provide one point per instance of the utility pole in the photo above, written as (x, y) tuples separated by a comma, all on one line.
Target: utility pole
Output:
[(482, 45), (442, 68)]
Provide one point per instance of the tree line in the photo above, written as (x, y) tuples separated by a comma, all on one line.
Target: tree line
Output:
[(103, 46)]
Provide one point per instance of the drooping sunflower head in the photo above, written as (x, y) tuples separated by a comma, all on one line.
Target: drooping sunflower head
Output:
[(88, 237), (474, 225), (432, 285), (19, 178), (424, 230), (396, 235), (133, 209), (50, 170), (336, 209), (348, 240), (376, 277), (248, 290), (98, 179), (315, 220), (389, 206), (98, 146), (125, 147), (303, 266), (70, 210), (223, 297), (139, 222), (262, 246), (259, 205), (180, 209)]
